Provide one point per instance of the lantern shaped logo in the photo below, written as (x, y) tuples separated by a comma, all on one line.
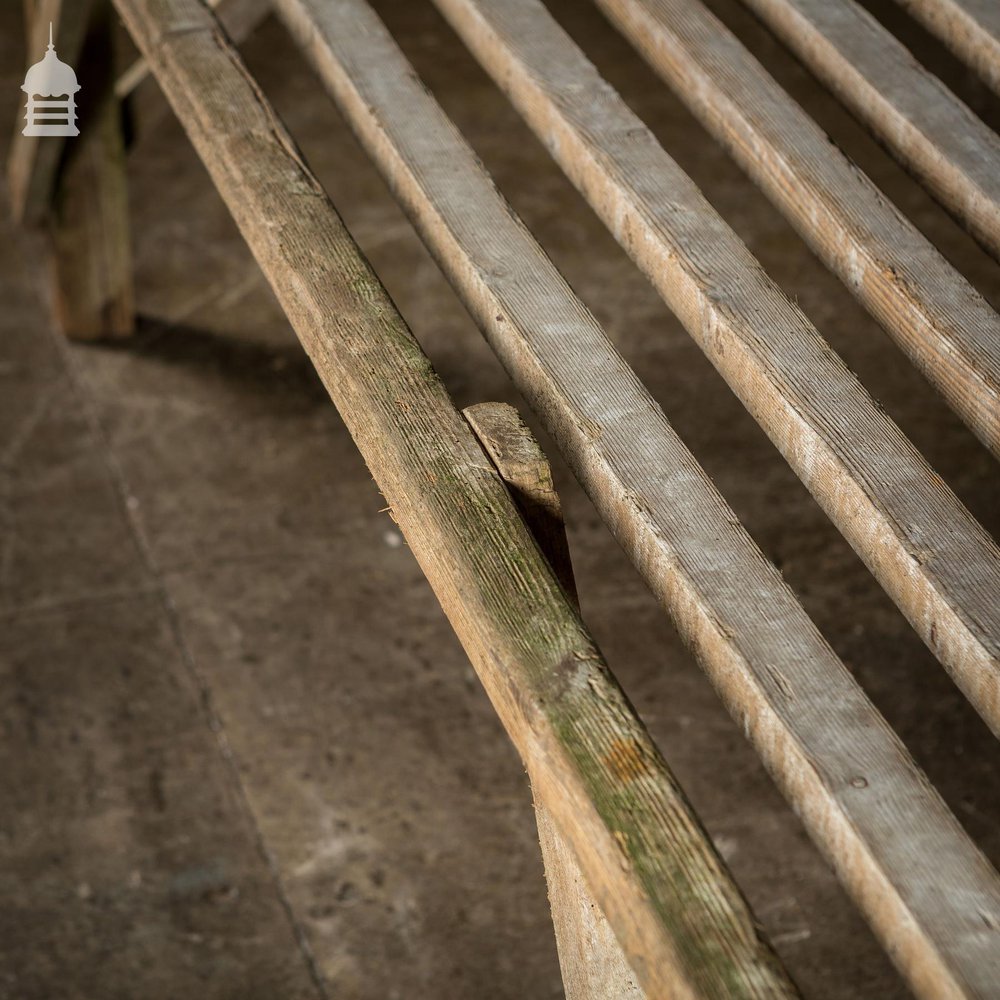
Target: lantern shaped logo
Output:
[(51, 88)]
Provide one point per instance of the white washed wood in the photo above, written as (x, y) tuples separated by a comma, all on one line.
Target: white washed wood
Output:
[(910, 111), (942, 323), (681, 920), (808, 718), (923, 546), (970, 28)]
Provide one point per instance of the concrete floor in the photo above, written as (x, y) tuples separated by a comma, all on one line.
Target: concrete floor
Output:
[(242, 753)]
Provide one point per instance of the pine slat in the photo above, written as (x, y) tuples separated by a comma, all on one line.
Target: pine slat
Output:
[(970, 28), (679, 918), (910, 111), (942, 323), (929, 554), (837, 761)]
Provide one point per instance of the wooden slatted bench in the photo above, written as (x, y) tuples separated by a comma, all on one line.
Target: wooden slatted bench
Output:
[(642, 903)]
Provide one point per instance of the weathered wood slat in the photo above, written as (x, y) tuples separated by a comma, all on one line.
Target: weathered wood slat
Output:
[(808, 718), (910, 111), (942, 323), (683, 924), (970, 28), (922, 545), (592, 962), (32, 162), (239, 17)]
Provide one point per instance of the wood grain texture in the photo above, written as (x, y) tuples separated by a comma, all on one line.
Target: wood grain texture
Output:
[(32, 162), (911, 112), (239, 17), (591, 961), (522, 465), (684, 925), (92, 290), (970, 28), (839, 764), (942, 323), (923, 546)]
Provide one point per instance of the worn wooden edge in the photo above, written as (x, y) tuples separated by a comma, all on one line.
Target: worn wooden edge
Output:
[(682, 922), (943, 324), (969, 28), (910, 111), (240, 18), (33, 162), (808, 718), (929, 554)]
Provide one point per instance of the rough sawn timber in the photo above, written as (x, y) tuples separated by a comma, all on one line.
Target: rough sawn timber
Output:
[(970, 28), (929, 554), (680, 919), (592, 963), (910, 111), (238, 17), (810, 721), (944, 325)]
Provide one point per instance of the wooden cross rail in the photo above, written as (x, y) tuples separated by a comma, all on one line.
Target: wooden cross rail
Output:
[(873, 484), (970, 28), (942, 323), (679, 918), (810, 721), (922, 123)]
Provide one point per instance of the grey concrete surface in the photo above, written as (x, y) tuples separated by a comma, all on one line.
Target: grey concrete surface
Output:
[(241, 754)]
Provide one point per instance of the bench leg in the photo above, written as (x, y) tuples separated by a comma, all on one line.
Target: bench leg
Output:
[(591, 961), (92, 260)]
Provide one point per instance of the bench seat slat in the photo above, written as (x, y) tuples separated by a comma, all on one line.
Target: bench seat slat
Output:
[(925, 549), (680, 918), (806, 715), (944, 325), (910, 111)]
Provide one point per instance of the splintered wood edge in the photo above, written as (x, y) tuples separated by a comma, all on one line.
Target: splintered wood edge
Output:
[(680, 919), (522, 464)]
